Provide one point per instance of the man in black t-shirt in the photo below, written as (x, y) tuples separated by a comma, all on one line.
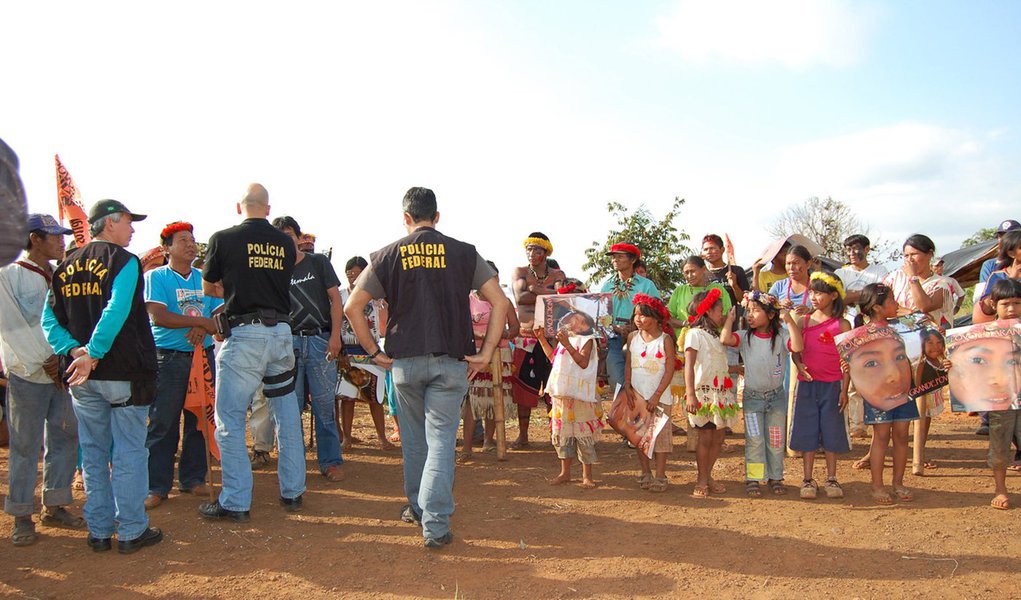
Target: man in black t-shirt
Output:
[(426, 278), (250, 266), (316, 317)]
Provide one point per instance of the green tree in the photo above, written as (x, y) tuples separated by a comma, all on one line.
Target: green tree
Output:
[(662, 244), (982, 235)]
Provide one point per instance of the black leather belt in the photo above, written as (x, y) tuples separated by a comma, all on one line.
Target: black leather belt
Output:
[(267, 317), (308, 332), (169, 351)]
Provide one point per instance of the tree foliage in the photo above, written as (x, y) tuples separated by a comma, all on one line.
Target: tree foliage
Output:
[(828, 222), (982, 235), (662, 244)]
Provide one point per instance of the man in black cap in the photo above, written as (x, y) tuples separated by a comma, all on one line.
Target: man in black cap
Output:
[(426, 278), (96, 317), (250, 266)]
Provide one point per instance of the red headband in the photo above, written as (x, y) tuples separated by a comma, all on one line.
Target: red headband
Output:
[(707, 303), (654, 303), (175, 227), (629, 248)]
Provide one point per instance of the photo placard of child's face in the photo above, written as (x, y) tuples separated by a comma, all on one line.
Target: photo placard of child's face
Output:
[(578, 314), (879, 365), (985, 373)]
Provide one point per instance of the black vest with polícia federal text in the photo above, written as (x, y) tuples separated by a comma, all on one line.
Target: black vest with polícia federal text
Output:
[(82, 285)]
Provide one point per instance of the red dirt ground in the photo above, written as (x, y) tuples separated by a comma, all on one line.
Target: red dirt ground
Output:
[(517, 537)]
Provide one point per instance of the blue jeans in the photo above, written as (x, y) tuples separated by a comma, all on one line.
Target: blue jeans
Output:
[(35, 410), (249, 354), (615, 361), (112, 437), (310, 352), (429, 394), (165, 426), (765, 434)]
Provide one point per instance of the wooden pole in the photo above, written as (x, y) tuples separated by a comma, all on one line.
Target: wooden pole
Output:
[(496, 366), (205, 436)]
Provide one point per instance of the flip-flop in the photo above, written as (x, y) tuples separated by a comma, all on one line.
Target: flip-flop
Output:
[(779, 489), (700, 491), (1002, 505), (753, 489), (903, 494), (882, 497), (862, 464), (717, 487)]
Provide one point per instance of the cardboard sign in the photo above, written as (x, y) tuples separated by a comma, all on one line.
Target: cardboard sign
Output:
[(582, 314), (985, 373)]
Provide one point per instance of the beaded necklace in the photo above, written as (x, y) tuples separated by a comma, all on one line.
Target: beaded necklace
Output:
[(536, 275), (621, 288)]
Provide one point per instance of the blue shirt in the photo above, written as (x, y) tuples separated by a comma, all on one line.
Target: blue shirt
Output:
[(993, 278), (781, 290), (182, 296), (624, 308), (988, 266)]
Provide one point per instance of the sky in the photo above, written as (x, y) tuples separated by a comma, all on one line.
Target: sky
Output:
[(522, 116)]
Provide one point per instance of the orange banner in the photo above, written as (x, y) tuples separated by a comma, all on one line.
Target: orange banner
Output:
[(69, 205), (200, 399)]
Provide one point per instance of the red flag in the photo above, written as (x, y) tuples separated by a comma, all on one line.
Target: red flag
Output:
[(200, 399), (69, 205), (729, 245)]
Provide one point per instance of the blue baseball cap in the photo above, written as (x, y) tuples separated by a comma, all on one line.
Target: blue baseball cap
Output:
[(46, 224), (1008, 225)]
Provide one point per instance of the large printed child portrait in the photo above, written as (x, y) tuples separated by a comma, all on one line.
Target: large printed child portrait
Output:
[(985, 373), (579, 314), (879, 365)]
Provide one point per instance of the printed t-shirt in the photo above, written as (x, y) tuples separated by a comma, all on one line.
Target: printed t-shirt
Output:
[(854, 281), (254, 261), (182, 296), (310, 304), (765, 360)]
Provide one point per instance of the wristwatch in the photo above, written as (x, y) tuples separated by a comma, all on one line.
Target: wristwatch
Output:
[(376, 353)]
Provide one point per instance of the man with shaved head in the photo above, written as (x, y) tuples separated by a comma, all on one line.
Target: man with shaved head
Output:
[(250, 266)]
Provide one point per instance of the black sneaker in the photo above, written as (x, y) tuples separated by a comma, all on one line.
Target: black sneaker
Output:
[(213, 510), (440, 541), (260, 458), (291, 504), (99, 544), (408, 515), (149, 537)]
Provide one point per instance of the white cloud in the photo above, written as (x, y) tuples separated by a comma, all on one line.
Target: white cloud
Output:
[(796, 34), (908, 178)]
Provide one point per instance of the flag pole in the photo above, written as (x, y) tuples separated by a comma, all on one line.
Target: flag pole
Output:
[(205, 432)]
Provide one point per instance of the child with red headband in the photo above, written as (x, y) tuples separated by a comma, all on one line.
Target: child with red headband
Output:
[(709, 392), (648, 369)]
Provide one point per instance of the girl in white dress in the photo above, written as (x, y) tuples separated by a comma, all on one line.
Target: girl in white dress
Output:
[(648, 369), (710, 397)]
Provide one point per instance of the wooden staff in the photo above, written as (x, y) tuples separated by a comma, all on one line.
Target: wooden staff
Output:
[(496, 366)]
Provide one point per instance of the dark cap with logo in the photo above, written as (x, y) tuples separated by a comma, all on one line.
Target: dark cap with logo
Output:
[(105, 208), (1008, 225), (46, 224)]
